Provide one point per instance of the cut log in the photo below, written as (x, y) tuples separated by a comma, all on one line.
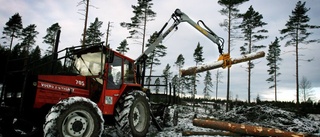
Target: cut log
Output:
[(191, 133), (219, 64), (244, 129)]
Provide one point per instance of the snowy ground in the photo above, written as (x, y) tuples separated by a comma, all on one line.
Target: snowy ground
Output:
[(256, 115)]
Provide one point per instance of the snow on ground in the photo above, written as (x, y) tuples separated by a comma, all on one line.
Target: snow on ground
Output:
[(264, 116), (261, 115)]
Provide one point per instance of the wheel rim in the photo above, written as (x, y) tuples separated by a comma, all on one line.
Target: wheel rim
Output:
[(139, 116), (78, 123)]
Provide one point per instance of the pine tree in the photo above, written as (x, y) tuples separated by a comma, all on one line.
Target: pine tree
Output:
[(86, 10), (123, 47), (138, 25), (13, 28), (306, 89), (157, 88), (180, 80), (94, 35), (232, 12), (28, 36), (198, 58), (251, 21), (167, 73), (198, 54), (180, 61), (297, 31), (160, 51), (175, 82), (50, 38), (218, 77), (207, 85), (273, 58)]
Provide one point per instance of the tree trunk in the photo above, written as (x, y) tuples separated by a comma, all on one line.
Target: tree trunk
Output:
[(144, 27), (218, 64), (85, 25), (249, 82), (229, 45), (275, 82), (244, 129), (297, 68)]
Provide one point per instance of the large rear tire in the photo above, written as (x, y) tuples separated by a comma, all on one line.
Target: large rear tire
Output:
[(133, 114), (74, 117)]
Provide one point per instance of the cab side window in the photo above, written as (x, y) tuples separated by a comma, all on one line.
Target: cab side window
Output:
[(114, 80), (128, 72)]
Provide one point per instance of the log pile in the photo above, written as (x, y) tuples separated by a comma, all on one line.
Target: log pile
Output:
[(219, 64), (234, 129)]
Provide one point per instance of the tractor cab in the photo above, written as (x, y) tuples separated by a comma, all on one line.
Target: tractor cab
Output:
[(95, 72)]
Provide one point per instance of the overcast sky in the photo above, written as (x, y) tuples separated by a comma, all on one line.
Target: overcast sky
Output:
[(44, 13)]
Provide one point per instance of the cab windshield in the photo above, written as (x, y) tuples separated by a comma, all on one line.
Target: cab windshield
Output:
[(89, 64)]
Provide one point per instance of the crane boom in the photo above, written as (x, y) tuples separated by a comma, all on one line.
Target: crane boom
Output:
[(178, 16)]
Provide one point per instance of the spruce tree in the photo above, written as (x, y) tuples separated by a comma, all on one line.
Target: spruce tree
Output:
[(123, 47), (207, 85), (297, 32), (94, 35), (138, 25), (35, 56), (251, 22), (273, 58)]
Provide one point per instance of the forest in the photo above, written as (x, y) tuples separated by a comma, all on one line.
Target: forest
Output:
[(197, 96), (250, 24)]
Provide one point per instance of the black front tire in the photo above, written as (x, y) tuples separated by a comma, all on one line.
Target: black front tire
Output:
[(74, 116), (133, 114)]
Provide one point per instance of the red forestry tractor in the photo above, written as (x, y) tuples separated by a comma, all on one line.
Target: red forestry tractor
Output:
[(88, 87)]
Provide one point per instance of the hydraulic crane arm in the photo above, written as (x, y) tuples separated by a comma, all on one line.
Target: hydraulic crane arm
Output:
[(178, 16)]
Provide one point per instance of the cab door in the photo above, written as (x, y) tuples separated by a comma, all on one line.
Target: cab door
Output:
[(113, 84)]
